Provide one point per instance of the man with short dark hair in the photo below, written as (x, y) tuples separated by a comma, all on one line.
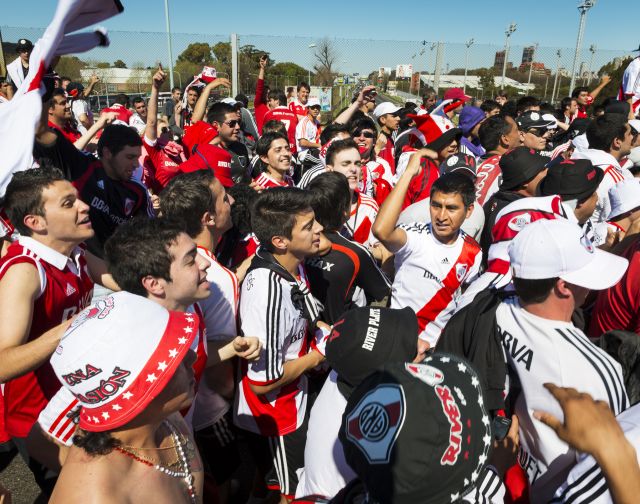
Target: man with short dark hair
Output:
[(299, 105), (278, 110), (610, 139), (170, 104), (308, 130), (534, 129), (120, 106), (226, 120), (275, 154), (139, 118), (277, 307), (568, 109), (387, 116), (432, 260), (429, 99), (59, 112), (586, 98), (106, 183)]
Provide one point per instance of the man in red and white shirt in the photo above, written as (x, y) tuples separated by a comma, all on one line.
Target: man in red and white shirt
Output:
[(585, 98), (308, 130), (279, 111), (275, 154), (44, 281), (630, 85), (433, 260), (277, 307), (610, 139), (121, 107), (60, 115), (497, 136), (299, 106)]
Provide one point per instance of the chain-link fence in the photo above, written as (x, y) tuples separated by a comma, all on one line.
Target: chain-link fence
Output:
[(401, 68)]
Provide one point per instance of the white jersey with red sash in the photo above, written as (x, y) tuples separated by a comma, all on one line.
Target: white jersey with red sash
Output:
[(430, 274), (488, 178), (267, 181), (363, 215)]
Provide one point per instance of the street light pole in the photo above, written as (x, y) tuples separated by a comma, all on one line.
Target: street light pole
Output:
[(510, 30), (583, 8), (311, 46), (535, 49), (555, 81), (469, 43), (592, 50), (166, 17)]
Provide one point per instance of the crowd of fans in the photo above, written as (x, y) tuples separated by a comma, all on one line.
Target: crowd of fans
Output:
[(223, 301)]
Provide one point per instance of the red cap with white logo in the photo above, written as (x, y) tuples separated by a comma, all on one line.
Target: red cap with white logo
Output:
[(118, 355)]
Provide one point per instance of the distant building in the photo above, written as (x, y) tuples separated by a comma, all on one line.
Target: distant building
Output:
[(498, 62), (527, 55), (536, 68)]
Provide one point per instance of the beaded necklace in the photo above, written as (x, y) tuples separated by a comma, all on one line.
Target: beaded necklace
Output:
[(182, 461)]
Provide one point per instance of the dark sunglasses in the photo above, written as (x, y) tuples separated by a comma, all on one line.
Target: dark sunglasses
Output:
[(537, 132), (233, 123), (366, 134)]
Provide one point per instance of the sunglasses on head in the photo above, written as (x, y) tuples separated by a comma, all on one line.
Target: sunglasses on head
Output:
[(233, 123), (365, 134)]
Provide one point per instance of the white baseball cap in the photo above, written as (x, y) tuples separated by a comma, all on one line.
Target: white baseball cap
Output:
[(118, 355), (635, 124), (624, 197), (313, 102), (558, 248), (634, 156), (385, 108)]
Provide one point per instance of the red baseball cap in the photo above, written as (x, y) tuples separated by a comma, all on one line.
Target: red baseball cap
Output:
[(207, 156), (199, 133), (456, 93)]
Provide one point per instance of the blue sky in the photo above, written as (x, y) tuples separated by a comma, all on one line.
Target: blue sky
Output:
[(552, 23)]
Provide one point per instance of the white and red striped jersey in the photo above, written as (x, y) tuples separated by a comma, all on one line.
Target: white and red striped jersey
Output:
[(267, 312), (630, 86), (613, 173), (60, 416), (488, 178), (290, 121), (363, 215), (430, 274), (309, 130), (298, 108), (381, 168), (267, 181)]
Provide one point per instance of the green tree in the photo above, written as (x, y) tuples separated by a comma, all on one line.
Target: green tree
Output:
[(198, 53), (103, 64), (70, 66), (119, 64), (486, 81)]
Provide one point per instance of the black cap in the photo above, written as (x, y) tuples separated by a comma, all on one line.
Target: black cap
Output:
[(418, 433), (24, 44), (365, 338), (532, 119), (572, 179), (75, 89), (578, 127), (519, 166), (464, 163)]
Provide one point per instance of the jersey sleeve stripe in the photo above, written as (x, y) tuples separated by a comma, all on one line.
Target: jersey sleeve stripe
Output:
[(62, 416), (274, 305), (584, 490)]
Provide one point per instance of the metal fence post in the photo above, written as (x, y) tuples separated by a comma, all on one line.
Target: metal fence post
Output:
[(439, 53), (234, 64)]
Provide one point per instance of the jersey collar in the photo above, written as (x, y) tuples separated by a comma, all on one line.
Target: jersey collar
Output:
[(51, 256)]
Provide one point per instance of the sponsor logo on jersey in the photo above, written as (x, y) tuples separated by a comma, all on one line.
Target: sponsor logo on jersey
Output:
[(519, 222), (376, 422), (128, 206), (452, 412), (461, 271), (519, 352), (445, 261), (101, 184), (431, 276), (423, 372), (69, 289)]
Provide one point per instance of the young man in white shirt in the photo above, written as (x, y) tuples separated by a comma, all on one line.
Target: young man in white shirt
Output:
[(554, 267), (307, 130), (277, 307), (432, 260)]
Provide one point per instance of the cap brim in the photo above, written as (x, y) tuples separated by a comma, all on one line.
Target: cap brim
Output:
[(604, 271), (445, 139)]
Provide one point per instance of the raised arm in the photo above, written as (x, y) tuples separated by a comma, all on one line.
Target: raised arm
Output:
[(264, 60), (151, 131), (603, 82), (92, 82), (105, 118), (384, 227), (201, 105), (366, 95)]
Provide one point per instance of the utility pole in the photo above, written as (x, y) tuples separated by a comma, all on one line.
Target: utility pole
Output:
[(168, 25), (511, 28), (469, 43), (311, 46), (234, 64), (439, 51), (583, 8), (592, 50), (555, 81), (535, 50)]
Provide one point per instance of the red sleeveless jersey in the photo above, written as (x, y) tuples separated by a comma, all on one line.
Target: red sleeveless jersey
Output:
[(65, 289)]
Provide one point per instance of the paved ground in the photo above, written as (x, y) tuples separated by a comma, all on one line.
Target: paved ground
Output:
[(18, 479)]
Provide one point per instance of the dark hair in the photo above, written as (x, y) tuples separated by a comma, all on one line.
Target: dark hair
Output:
[(274, 213), (64, 78), (533, 291), (218, 111), (509, 109), (604, 129), (95, 443), (489, 105), (337, 147), (264, 142), (277, 94), (175, 88), (274, 126), (242, 98), (566, 103), (427, 93), (330, 200), (116, 137), (121, 99), (24, 195), (140, 248), (576, 92), (502, 94), (361, 123), (185, 200), (525, 103), (55, 92), (491, 130), (138, 99), (451, 183), (303, 85), (331, 130), (196, 90)]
